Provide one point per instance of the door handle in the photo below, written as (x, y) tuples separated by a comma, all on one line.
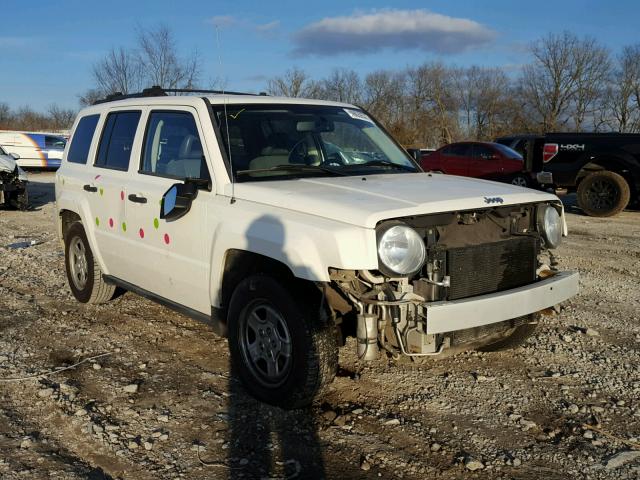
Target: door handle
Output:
[(136, 199), (89, 188)]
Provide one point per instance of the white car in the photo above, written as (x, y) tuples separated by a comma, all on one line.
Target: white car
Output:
[(13, 182), (289, 224), (34, 149)]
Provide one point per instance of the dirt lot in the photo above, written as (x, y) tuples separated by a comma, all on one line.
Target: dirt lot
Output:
[(162, 404)]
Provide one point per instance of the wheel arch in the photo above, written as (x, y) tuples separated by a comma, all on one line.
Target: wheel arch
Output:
[(628, 168)]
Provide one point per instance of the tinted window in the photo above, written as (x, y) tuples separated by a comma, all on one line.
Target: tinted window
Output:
[(81, 141), (483, 151), (459, 149), (172, 146), (54, 142), (117, 140), (509, 152)]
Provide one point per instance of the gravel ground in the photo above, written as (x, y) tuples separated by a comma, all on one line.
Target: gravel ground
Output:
[(162, 404)]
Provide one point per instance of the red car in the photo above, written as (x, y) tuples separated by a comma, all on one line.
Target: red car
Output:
[(492, 161)]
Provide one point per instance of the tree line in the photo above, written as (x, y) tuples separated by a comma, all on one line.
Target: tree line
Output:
[(567, 83)]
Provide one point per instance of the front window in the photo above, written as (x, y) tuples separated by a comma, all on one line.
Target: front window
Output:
[(51, 141), (290, 141), (508, 152)]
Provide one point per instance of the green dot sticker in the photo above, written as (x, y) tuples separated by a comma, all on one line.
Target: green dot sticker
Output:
[(97, 222), (124, 226), (101, 191), (156, 223)]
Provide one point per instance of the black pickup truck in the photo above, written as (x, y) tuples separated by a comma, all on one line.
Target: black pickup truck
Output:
[(603, 168)]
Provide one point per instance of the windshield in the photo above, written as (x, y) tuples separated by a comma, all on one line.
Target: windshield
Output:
[(287, 141), (509, 152)]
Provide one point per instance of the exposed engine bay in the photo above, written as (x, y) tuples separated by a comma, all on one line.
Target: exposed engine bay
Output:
[(467, 254), (13, 184)]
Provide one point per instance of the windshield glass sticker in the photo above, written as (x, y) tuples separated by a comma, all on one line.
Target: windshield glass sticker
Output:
[(358, 115)]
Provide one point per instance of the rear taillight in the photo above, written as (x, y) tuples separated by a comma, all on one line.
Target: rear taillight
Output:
[(549, 151)]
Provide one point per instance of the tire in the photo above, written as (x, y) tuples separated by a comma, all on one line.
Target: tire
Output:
[(83, 272), (268, 320), (515, 338), (520, 180), (603, 194)]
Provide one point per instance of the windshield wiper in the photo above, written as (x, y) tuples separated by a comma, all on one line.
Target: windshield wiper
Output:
[(292, 167), (381, 163)]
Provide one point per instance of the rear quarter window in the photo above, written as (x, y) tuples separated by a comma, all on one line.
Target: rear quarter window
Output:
[(81, 140)]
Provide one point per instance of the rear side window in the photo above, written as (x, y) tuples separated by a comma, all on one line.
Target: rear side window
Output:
[(54, 142), (116, 142), (81, 141)]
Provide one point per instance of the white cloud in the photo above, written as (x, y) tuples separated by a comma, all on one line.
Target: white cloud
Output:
[(268, 27), (223, 21), (391, 29)]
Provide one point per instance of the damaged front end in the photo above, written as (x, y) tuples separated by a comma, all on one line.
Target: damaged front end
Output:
[(454, 281), (13, 184)]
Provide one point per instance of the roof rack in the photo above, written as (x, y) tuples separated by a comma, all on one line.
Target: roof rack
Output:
[(157, 91)]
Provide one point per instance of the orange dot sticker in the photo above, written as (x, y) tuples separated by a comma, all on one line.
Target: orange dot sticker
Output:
[(141, 233), (166, 238)]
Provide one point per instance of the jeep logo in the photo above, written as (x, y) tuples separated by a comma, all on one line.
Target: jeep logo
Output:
[(493, 200)]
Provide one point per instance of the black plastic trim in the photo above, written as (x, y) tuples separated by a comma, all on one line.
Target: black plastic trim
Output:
[(215, 320)]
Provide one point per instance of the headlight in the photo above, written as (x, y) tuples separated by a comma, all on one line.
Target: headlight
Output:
[(401, 250), (549, 225)]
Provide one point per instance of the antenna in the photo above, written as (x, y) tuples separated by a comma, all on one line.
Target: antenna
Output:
[(226, 119)]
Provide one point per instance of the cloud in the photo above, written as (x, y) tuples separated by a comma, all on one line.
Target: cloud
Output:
[(268, 30), (391, 29), (223, 21), (16, 42)]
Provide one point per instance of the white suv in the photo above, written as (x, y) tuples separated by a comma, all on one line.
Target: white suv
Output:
[(289, 224)]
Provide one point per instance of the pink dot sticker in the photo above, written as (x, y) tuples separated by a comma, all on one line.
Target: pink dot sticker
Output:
[(96, 177), (141, 232), (111, 222), (121, 194), (166, 238)]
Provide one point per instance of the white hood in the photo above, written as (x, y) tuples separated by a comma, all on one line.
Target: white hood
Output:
[(8, 164), (364, 201)]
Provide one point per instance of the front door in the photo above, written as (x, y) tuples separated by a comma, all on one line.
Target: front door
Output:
[(169, 258)]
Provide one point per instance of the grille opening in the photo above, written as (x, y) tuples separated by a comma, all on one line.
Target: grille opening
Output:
[(491, 267)]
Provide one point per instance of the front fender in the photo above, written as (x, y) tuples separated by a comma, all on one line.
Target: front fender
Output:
[(306, 244)]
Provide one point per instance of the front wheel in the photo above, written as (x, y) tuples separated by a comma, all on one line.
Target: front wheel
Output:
[(283, 344), (603, 194)]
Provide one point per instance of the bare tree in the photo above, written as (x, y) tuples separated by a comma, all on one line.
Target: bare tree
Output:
[(5, 115), (90, 97), (342, 85), (592, 66), (118, 71), (294, 83), (160, 62), (383, 96), (61, 118)]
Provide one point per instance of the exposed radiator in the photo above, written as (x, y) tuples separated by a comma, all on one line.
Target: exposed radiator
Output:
[(491, 267)]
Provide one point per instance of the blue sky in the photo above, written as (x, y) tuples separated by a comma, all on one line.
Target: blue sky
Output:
[(47, 48)]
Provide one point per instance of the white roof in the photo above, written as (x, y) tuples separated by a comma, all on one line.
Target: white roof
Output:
[(217, 99)]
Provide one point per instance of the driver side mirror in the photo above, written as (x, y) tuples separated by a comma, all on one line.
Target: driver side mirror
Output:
[(14, 155), (176, 202)]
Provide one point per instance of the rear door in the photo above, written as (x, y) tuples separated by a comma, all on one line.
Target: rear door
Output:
[(169, 259), (485, 162), (456, 158), (106, 187)]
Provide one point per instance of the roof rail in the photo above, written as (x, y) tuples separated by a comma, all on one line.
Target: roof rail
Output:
[(157, 91)]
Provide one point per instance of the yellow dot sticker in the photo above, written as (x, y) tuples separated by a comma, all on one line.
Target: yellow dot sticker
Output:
[(156, 223), (124, 226), (97, 222)]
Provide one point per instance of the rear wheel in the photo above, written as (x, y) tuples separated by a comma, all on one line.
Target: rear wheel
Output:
[(283, 345), (603, 194), (83, 272), (514, 337), (520, 180)]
